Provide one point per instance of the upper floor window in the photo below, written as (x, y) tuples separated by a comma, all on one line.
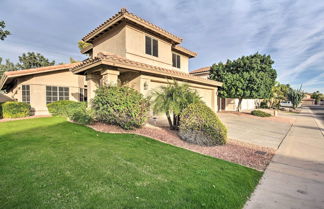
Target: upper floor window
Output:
[(26, 94), (55, 93), (151, 46), (175, 60)]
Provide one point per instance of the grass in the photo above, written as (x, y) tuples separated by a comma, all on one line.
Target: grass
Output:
[(51, 163)]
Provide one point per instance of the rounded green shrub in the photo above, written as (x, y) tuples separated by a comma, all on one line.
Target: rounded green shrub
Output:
[(200, 125), (15, 109), (81, 116), (260, 113), (122, 106), (64, 108)]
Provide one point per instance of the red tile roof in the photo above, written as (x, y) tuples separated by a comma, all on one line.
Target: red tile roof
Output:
[(124, 14), (117, 61), (200, 70), (19, 73)]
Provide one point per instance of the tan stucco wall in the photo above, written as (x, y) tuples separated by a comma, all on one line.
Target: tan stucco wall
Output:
[(153, 83), (113, 42), (38, 85)]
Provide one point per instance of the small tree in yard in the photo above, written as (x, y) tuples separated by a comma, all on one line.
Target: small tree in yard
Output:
[(248, 77), (317, 96), (172, 100), (295, 96)]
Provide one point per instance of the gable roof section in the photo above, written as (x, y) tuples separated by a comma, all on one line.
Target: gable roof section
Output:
[(200, 70), (9, 75), (184, 51), (123, 14), (121, 62)]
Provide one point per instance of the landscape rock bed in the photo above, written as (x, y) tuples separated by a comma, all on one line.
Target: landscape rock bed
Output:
[(245, 154)]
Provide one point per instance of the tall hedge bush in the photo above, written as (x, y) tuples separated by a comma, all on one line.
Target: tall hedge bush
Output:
[(64, 108), (122, 106), (15, 109), (200, 125)]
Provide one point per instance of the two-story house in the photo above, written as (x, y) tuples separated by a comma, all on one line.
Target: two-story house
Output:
[(137, 53), (125, 49)]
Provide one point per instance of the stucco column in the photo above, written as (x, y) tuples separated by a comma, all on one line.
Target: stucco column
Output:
[(92, 85), (109, 77)]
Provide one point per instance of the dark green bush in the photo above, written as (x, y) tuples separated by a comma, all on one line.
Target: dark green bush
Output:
[(1, 116), (264, 104), (122, 106), (200, 125), (15, 109), (64, 108), (81, 116), (260, 113)]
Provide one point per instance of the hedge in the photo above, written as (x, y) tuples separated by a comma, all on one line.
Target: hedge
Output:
[(260, 113), (122, 106), (64, 108), (200, 125), (13, 109)]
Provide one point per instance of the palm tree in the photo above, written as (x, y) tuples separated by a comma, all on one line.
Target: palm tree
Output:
[(172, 99)]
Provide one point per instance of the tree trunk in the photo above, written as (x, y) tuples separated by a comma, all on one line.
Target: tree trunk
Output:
[(169, 120), (239, 104), (175, 121)]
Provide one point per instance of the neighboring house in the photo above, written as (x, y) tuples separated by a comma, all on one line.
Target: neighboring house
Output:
[(307, 100), (41, 86), (139, 54), (227, 104)]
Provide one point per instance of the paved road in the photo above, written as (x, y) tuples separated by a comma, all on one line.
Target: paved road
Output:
[(256, 131), (295, 177)]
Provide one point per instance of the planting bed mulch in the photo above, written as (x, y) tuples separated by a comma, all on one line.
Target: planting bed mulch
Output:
[(234, 151)]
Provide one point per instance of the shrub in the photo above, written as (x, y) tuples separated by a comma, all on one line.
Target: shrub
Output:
[(200, 125), (64, 108), (81, 116), (15, 109), (264, 104), (260, 113), (122, 106)]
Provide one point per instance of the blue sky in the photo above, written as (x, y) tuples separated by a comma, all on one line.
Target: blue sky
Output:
[(291, 31)]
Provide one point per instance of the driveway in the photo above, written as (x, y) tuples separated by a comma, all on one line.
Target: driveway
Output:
[(295, 176), (256, 131)]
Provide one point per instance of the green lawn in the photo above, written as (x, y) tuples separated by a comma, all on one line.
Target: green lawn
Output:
[(51, 163)]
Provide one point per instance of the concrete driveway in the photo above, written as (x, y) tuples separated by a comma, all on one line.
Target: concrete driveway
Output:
[(261, 132)]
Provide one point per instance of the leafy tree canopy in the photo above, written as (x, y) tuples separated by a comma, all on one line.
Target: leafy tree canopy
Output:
[(3, 33), (318, 96), (248, 77), (7, 66), (33, 60)]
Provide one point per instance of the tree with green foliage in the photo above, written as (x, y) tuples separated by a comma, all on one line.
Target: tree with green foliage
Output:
[(279, 93), (248, 77), (295, 96), (33, 60), (3, 33), (73, 60), (172, 100), (318, 96), (7, 66)]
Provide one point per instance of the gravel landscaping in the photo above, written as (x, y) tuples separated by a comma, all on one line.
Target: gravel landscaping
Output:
[(249, 155)]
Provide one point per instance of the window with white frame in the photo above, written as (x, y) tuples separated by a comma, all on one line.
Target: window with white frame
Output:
[(175, 60), (151, 46), (25, 93), (55, 93)]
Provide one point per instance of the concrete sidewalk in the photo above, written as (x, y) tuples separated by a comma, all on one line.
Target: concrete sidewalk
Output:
[(295, 177)]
